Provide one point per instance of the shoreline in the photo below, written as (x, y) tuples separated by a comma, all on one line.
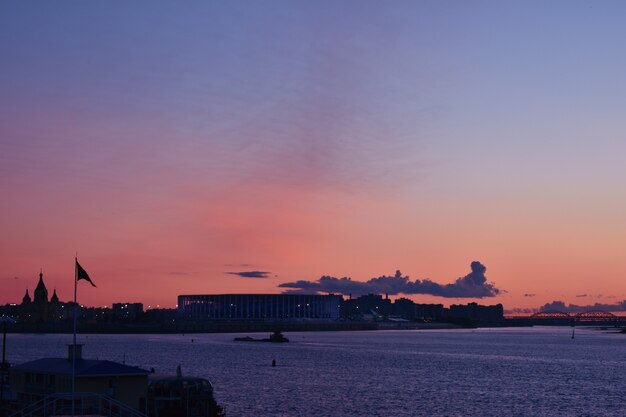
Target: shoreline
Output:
[(284, 326), (228, 327)]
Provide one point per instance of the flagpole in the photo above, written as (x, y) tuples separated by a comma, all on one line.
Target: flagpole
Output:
[(75, 303), (74, 338), (79, 273)]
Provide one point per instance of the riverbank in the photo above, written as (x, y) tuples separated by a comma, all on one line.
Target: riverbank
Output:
[(226, 327), (236, 326)]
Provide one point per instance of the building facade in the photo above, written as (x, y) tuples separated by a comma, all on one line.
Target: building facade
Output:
[(127, 311), (366, 305), (259, 306), (32, 381), (479, 314)]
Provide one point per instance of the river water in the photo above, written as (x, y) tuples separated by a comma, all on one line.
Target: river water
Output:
[(483, 372)]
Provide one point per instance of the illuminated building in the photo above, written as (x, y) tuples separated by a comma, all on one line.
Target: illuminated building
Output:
[(259, 306)]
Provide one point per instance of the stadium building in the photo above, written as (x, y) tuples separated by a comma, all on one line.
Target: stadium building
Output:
[(259, 306)]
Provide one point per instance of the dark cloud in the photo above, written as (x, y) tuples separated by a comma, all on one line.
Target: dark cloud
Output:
[(472, 285), (251, 274), (573, 308), (529, 295), (297, 292), (178, 273), (553, 306)]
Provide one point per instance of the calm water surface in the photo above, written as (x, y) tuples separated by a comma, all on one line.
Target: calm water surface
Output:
[(484, 372)]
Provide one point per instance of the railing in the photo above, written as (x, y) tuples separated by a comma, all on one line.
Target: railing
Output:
[(77, 404)]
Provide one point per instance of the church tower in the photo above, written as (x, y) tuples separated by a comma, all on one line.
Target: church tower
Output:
[(54, 310), (26, 299), (26, 308), (40, 301), (41, 292)]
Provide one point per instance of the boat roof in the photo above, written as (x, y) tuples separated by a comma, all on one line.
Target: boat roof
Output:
[(84, 367), (154, 378)]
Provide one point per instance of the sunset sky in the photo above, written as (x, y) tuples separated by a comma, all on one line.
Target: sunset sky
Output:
[(234, 146)]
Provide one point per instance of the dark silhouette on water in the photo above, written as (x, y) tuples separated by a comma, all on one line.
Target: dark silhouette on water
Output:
[(276, 337)]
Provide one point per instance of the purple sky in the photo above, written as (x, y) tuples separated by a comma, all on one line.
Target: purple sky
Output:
[(166, 141)]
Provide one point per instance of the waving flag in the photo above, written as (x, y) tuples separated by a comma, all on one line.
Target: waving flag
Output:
[(82, 274)]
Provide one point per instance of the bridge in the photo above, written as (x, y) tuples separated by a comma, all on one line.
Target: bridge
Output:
[(593, 315), (562, 318)]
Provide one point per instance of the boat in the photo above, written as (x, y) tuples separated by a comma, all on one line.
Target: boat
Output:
[(180, 396), (276, 337)]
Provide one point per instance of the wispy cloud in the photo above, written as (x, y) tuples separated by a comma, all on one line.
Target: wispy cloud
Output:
[(251, 274), (472, 285), (179, 273)]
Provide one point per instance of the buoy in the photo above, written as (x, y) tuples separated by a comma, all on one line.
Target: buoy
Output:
[(191, 340), (273, 362)]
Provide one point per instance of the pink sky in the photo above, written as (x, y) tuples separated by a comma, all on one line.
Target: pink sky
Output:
[(170, 145)]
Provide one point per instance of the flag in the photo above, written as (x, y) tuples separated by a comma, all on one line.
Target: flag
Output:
[(82, 274)]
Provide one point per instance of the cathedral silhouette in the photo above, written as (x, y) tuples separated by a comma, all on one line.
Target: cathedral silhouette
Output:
[(40, 309)]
